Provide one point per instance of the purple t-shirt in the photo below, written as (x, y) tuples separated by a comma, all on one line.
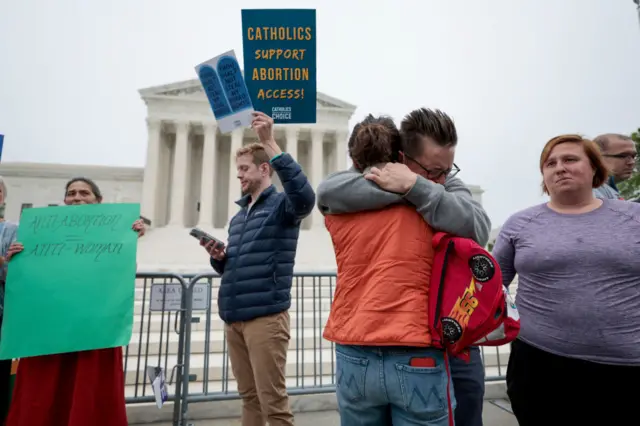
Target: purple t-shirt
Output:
[(578, 280)]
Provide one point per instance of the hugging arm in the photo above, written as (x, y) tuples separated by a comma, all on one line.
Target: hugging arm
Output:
[(449, 208), (348, 191)]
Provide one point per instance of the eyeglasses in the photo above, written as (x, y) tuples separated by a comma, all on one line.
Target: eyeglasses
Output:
[(627, 156), (436, 174)]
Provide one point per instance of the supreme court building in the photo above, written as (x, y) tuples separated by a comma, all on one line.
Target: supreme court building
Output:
[(189, 178)]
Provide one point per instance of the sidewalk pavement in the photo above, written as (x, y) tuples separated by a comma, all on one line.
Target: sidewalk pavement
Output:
[(495, 414)]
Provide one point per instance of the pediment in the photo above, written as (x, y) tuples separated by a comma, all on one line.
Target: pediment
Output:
[(193, 89)]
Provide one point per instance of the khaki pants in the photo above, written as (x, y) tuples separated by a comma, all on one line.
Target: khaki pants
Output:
[(258, 354)]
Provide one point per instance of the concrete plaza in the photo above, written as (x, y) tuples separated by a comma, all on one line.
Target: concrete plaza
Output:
[(310, 410), (494, 415)]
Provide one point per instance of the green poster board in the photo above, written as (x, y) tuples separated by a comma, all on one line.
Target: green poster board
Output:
[(72, 287)]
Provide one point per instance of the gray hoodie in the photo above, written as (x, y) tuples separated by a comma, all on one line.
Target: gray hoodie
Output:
[(8, 231), (608, 190), (448, 208)]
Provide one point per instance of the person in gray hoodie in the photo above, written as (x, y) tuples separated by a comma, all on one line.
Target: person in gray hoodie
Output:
[(619, 154), (424, 176)]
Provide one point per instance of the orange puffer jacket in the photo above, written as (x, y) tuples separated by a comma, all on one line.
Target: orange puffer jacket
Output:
[(384, 262)]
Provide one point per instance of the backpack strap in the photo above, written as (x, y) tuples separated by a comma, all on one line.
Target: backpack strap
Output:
[(438, 237)]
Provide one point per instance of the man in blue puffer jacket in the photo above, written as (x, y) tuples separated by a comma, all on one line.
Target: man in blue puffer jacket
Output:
[(257, 270)]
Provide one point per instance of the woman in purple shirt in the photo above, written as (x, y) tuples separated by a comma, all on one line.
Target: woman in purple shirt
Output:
[(578, 265)]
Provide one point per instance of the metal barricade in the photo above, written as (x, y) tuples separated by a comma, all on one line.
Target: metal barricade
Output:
[(158, 339), (310, 365), (198, 361)]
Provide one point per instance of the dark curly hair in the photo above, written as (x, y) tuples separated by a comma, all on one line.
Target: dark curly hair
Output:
[(374, 140)]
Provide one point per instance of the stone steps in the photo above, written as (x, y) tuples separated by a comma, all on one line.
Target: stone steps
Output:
[(307, 338), (315, 250), (307, 304), (493, 357), (322, 289), (168, 342), (305, 362), (157, 322)]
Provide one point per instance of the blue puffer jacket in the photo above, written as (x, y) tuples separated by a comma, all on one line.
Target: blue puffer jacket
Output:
[(261, 250)]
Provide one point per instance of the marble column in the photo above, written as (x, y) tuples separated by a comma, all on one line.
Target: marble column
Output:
[(179, 182), (208, 176), (317, 166), (234, 184), (292, 134), (151, 175), (341, 150)]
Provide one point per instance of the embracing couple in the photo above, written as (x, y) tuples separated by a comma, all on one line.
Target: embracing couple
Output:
[(383, 249)]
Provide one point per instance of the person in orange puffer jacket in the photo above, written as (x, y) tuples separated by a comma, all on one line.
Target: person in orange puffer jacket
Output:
[(387, 371)]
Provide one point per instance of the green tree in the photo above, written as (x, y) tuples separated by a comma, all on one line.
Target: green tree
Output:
[(630, 189)]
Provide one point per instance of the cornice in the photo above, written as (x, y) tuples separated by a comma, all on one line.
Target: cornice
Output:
[(191, 91), (68, 171)]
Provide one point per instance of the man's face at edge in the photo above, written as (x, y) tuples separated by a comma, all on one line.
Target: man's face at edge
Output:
[(620, 168)]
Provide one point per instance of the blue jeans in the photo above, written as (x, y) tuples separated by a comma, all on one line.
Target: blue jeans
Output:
[(376, 386), (468, 386)]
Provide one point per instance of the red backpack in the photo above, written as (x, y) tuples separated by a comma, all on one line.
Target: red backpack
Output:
[(468, 305), (508, 330)]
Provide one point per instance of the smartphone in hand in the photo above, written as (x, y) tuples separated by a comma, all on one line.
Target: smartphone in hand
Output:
[(200, 235)]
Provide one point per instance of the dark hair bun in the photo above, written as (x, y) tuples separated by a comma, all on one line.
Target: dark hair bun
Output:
[(372, 145), (374, 141)]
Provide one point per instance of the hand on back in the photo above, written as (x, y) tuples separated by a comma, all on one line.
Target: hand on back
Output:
[(393, 177)]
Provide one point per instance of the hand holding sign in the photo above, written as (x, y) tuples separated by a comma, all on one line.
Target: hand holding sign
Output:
[(139, 227), (263, 126), (14, 249)]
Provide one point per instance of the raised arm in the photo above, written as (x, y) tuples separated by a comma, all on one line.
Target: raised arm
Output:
[(299, 196)]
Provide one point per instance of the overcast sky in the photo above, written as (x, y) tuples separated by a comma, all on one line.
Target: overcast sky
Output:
[(512, 73)]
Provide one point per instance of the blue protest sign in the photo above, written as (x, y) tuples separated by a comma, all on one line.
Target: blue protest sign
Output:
[(279, 47), (233, 84), (1, 145), (222, 81), (213, 89)]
